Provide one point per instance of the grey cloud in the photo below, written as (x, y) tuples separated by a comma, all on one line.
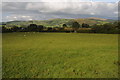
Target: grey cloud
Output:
[(47, 10)]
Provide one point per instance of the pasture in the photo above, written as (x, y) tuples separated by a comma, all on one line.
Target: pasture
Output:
[(59, 55)]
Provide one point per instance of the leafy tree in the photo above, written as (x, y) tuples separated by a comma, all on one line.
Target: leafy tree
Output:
[(64, 25), (4, 29), (14, 28), (75, 26), (49, 29), (40, 27), (32, 27), (106, 28), (117, 24), (85, 25)]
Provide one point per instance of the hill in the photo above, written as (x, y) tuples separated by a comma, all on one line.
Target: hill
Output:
[(59, 22)]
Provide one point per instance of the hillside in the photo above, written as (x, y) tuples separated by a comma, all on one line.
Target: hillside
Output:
[(59, 22), (92, 20)]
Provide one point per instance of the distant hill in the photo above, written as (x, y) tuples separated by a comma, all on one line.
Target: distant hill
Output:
[(59, 22), (95, 18)]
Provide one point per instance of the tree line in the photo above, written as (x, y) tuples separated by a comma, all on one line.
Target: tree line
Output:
[(76, 27)]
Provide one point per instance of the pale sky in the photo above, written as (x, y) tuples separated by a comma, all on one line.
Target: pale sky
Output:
[(59, 0), (47, 9)]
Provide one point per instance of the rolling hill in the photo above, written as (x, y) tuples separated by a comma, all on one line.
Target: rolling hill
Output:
[(59, 22)]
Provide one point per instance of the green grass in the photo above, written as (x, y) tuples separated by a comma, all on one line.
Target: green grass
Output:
[(60, 55), (0, 56)]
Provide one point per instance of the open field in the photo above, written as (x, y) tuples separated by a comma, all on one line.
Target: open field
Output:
[(0, 55), (60, 55)]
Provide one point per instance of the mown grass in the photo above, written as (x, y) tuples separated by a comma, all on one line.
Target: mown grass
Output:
[(60, 55)]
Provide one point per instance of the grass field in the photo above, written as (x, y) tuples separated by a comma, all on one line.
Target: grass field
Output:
[(60, 55), (0, 56)]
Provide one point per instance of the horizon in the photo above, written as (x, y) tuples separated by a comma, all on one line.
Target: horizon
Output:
[(61, 18)]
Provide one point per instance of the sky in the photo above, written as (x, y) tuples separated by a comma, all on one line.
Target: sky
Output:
[(49, 9), (59, 0)]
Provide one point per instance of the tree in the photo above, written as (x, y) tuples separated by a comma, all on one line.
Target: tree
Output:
[(106, 28), (4, 29), (32, 27), (117, 24), (64, 25), (14, 28), (85, 25), (75, 26), (40, 27), (49, 29)]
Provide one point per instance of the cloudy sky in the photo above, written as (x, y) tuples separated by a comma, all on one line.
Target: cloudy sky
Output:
[(42, 10)]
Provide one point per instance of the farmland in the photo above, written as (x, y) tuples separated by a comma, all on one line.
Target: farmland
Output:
[(59, 55)]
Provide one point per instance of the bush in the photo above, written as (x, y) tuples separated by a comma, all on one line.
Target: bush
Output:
[(84, 30), (110, 28)]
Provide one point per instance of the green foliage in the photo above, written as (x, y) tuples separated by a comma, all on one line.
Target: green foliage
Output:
[(85, 30), (100, 25), (107, 28), (75, 25), (85, 25), (64, 25)]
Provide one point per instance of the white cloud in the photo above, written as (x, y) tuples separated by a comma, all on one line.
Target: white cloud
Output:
[(30, 19), (46, 0), (47, 10), (17, 17), (116, 12), (74, 8), (59, 0), (92, 13)]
